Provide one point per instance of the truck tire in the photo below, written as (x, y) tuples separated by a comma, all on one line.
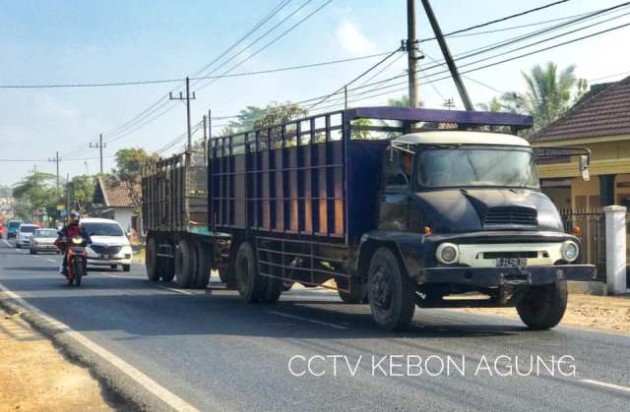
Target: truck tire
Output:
[(151, 260), (391, 293), (202, 274), (185, 264), (358, 291), (271, 288), (543, 306), (247, 279)]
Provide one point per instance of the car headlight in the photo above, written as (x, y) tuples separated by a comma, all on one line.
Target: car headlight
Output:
[(570, 251), (447, 253)]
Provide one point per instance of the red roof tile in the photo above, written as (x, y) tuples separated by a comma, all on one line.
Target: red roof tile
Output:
[(115, 192), (603, 113)]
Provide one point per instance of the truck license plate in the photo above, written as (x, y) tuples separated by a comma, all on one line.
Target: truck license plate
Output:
[(511, 262)]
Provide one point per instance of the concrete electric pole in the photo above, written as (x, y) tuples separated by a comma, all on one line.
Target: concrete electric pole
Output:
[(187, 99), (100, 145), (412, 54), (56, 159)]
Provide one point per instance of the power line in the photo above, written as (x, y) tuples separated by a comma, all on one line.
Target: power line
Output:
[(502, 19), (158, 81)]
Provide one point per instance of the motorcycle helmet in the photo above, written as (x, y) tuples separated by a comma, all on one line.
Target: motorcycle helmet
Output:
[(75, 217)]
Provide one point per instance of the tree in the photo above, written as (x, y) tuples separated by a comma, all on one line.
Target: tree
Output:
[(80, 190), (130, 163), (34, 194)]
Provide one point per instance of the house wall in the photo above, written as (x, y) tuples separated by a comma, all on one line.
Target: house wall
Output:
[(123, 217)]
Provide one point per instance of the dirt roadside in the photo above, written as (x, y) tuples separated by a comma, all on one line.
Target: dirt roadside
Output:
[(35, 377), (605, 313)]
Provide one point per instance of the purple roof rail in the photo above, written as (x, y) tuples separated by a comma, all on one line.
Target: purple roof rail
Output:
[(437, 115)]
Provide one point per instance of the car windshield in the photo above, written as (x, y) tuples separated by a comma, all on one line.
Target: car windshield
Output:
[(28, 229), (102, 229), (14, 224), (45, 233), (477, 167)]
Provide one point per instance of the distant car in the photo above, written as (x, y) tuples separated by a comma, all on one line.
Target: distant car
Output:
[(24, 233), (43, 240), (12, 228), (1, 230), (110, 246)]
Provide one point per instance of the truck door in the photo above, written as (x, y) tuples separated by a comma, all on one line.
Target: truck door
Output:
[(395, 192)]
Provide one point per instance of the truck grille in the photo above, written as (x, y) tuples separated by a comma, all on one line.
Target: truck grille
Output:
[(502, 216), (106, 250)]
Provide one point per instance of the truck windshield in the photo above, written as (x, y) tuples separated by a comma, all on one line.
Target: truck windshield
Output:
[(477, 167)]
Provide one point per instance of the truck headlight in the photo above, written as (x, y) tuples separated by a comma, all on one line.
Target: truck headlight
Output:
[(570, 251), (447, 253)]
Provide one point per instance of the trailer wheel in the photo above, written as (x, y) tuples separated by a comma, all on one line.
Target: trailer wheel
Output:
[(247, 280), (184, 264), (358, 291), (271, 288), (543, 306), (391, 293), (202, 272), (151, 260)]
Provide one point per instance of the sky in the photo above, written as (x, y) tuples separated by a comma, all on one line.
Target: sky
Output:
[(79, 42)]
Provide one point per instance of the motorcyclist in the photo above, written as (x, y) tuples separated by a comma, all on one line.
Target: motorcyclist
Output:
[(72, 229)]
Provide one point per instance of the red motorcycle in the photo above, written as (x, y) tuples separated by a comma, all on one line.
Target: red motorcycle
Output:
[(76, 258)]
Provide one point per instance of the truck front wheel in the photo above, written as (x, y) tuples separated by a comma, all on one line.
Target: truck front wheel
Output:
[(390, 292), (543, 306), (247, 280), (356, 293)]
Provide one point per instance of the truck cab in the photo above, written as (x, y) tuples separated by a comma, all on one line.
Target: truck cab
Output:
[(462, 212)]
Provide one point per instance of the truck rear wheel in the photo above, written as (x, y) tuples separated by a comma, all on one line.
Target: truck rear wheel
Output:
[(151, 260), (202, 272), (185, 264), (247, 280), (543, 306), (391, 293)]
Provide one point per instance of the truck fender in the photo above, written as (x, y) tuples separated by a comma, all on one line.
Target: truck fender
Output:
[(410, 248)]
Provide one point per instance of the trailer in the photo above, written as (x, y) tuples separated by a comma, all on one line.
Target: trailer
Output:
[(179, 245), (397, 207)]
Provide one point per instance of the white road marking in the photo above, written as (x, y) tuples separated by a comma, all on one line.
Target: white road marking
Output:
[(51, 260), (319, 322), (6, 243), (606, 385), (145, 381), (183, 292)]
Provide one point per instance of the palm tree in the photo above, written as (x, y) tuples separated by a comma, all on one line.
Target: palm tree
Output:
[(549, 93)]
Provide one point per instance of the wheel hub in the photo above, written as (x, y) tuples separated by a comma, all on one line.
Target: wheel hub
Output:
[(380, 288)]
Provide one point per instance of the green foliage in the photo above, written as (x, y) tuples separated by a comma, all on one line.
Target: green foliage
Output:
[(254, 117), (35, 193), (80, 191), (549, 94), (130, 164)]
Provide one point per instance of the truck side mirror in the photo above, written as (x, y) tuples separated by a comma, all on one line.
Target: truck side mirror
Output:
[(584, 160)]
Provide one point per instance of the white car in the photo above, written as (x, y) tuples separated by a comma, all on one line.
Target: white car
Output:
[(43, 240), (23, 235), (110, 246)]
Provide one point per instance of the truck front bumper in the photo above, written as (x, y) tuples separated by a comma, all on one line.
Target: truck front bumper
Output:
[(500, 276)]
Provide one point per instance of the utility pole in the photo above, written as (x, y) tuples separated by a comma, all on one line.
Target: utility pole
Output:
[(207, 154), (188, 99), (449, 103), (412, 53), (57, 159), (461, 88), (345, 97), (205, 140), (100, 145)]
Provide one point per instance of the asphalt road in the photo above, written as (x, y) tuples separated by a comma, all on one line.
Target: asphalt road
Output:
[(215, 352)]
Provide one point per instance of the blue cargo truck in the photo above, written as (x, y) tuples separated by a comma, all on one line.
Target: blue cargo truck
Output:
[(400, 207)]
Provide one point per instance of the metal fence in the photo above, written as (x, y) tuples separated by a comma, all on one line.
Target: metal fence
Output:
[(592, 234)]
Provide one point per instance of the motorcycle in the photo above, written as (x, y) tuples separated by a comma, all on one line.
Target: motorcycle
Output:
[(76, 258)]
